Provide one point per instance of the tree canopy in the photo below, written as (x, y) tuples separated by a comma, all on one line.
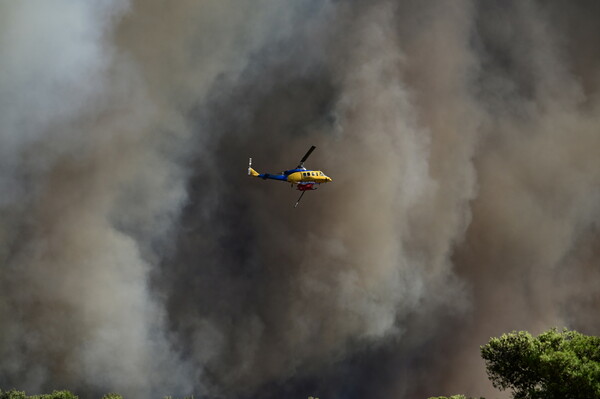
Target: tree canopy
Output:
[(555, 365), (14, 394)]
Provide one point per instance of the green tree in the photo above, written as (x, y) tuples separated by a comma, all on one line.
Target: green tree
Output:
[(14, 394), (554, 365)]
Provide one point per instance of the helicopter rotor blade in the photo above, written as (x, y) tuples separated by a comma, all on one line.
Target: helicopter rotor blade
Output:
[(305, 157)]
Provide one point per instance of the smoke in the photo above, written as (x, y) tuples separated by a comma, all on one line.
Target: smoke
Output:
[(138, 257)]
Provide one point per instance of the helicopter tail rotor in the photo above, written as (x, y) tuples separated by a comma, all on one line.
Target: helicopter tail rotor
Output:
[(251, 172)]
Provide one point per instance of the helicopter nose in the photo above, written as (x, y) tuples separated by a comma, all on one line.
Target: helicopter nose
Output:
[(329, 179)]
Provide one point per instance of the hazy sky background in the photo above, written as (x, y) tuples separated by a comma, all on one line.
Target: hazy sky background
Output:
[(137, 257)]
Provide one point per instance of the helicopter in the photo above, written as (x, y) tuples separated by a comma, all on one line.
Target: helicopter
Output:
[(304, 179)]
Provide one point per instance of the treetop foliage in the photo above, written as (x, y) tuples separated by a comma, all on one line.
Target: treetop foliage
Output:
[(555, 365), (14, 394)]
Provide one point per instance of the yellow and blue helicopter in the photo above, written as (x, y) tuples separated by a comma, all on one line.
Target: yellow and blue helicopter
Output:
[(303, 178)]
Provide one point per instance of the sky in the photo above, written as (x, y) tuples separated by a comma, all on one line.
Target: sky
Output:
[(138, 257)]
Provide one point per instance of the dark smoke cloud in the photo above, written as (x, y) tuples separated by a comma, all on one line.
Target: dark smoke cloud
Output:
[(137, 257)]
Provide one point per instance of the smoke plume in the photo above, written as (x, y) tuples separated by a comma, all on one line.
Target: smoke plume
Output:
[(137, 256)]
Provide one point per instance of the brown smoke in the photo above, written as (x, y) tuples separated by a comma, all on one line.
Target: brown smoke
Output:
[(137, 257)]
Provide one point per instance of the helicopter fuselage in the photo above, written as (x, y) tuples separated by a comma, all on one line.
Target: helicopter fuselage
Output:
[(302, 178), (305, 176)]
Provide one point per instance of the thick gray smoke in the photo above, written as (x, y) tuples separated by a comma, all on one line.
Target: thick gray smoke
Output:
[(137, 256)]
